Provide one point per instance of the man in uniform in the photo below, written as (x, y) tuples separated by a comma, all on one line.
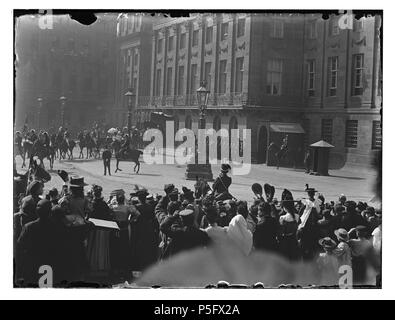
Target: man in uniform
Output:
[(106, 160), (222, 183)]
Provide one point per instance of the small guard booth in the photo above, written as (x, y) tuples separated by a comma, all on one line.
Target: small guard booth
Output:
[(320, 152)]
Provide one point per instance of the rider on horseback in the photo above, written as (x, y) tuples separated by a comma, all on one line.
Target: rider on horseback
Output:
[(125, 145), (222, 183)]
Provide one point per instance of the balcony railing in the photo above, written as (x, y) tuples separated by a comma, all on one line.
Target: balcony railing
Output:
[(220, 100)]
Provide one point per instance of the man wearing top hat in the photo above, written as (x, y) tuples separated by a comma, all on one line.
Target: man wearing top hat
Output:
[(222, 183)]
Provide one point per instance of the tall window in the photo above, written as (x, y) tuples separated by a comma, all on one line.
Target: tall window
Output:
[(326, 130), (209, 35), (357, 76), (312, 29), (160, 45), (351, 133), (376, 135), (158, 82), (241, 24), (333, 65), (277, 30), (224, 31), (183, 40), (274, 77), (195, 38), (334, 25), (169, 82), (311, 78), (181, 80), (239, 74), (170, 44), (136, 59), (194, 78), (207, 74), (222, 77)]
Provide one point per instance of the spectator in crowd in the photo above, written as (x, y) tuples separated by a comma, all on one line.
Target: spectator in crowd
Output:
[(265, 235), (184, 236), (238, 232)]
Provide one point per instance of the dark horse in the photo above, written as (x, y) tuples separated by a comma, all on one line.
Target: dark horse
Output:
[(21, 181), (131, 154), (66, 148), (279, 152)]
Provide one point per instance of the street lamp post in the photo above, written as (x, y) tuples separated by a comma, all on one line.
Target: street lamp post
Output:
[(196, 170), (62, 109), (40, 105), (130, 95)]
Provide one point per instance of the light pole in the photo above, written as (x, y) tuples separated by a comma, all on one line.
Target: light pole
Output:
[(130, 95), (196, 170), (62, 107), (40, 105)]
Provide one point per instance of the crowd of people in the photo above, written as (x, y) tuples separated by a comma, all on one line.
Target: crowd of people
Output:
[(56, 229)]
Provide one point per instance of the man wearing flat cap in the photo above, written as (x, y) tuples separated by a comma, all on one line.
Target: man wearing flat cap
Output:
[(185, 236)]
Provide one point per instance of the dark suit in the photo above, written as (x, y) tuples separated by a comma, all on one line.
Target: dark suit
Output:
[(182, 238), (107, 161)]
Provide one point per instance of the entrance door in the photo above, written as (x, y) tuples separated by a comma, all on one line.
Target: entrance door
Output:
[(262, 145)]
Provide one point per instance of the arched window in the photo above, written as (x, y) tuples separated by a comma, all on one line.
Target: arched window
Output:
[(233, 123), (188, 122)]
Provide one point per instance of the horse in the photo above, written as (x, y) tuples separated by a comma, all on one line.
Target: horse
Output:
[(66, 148), (27, 147), (132, 154), (279, 153), (202, 188)]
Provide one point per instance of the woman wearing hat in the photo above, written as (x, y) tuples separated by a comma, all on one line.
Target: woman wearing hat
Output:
[(327, 262), (343, 250)]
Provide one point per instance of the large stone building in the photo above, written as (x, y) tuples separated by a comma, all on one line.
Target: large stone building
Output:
[(67, 59), (283, 74)]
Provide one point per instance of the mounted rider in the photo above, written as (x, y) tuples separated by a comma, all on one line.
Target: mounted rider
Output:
[(222, 183)]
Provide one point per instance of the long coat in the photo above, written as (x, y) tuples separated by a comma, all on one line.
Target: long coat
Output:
[(144, 237)]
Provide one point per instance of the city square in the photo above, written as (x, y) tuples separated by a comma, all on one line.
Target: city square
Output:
[(294, 98)]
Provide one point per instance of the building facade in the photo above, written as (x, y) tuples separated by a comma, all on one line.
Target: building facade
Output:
[(278, 75), (68, 60)]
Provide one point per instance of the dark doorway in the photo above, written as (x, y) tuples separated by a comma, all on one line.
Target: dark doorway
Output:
[(262, 145)]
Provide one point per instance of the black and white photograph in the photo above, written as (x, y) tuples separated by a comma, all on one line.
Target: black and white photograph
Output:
[(201, 149)]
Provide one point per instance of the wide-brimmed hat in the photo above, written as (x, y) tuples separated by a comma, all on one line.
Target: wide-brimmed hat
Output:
[(309, 189), (186, 212), (77, 182), (327, 243), (225, 168), (342, 234), (185, 190)]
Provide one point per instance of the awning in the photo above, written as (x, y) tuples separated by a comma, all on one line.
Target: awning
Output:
[(286, 127)]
